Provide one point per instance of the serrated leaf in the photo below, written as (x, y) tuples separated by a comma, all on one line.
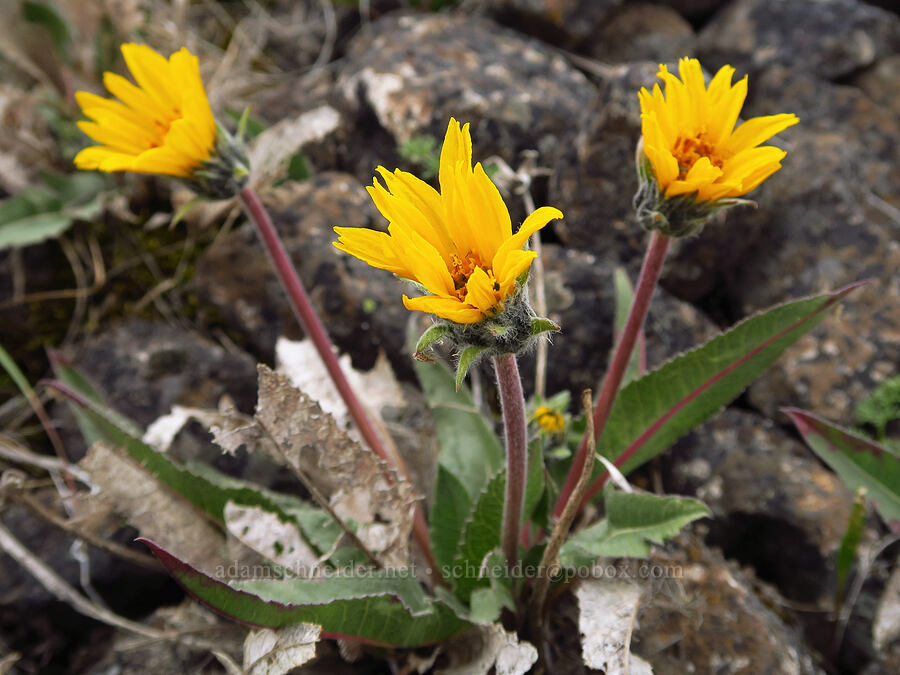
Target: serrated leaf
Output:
[(481, 535), (470, 449), (448, 515), (201, 485), (655, 410), (633, 520), (859, 461), (466, 358), (386, 608), (534, 486)]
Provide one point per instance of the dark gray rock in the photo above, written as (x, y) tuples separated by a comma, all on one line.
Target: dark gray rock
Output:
[(881, 83), (144, 368), (581, 298), (641, 32), (831, 38), (829, 218), (594, 180), (568, 23), (359, 305), (774, 506), (414, 72), (707, 618)]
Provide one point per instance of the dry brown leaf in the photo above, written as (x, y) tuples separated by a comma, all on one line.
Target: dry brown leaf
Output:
[(607, 609), (276, 652), (294, 429), (479, 651), (265, 533), (156, 512)]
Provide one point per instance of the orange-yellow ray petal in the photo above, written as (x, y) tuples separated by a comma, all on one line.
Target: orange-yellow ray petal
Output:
[(534, 222), (446, 308), (480, 291), (758, 130)]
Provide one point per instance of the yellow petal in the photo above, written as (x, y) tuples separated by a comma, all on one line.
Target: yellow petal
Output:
[(372, 247), (758, 130), (534, 222), (151, 72), (702, 173), (480, 291), (515, 263), (446, 308)]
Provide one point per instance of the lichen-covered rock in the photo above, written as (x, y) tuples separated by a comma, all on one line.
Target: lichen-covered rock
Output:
[(581, 298), (144, 368), (831, 38), (641, 32), (829, 218), (414, 72), (595, 180), (775, 507), (706, 618)]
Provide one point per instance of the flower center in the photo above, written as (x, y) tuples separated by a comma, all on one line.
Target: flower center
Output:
[(462, 267), (688, 150)]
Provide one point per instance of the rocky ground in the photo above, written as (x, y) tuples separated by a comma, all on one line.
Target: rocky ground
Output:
[(558, 78)]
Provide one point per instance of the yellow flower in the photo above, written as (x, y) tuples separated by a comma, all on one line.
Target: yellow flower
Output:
[(163, 125), (458, 243), (690, 139), (549, 420)]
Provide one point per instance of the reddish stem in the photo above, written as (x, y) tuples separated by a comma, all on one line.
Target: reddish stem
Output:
[(315, 331), (650, 270), (515, 431)]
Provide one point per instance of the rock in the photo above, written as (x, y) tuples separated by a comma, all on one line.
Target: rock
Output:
[(581, 298), (143, 369), (830, 218), (881, 83), (774, 506), (703, 617), (697, 614), (46, 631), (595, 180), (414, 72), (360, 306), (831, 38), (641, 32), (568, 23)]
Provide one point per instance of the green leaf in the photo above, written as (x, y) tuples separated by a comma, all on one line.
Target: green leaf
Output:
[(387, 608), (850, 543), (652, 412), (881, 407), (633, 521), (185, 209), (541, 325), (534, 487), (432, 335), (47, 16), (198, 484), (624, 300), (16, 375), (38, 213), (466, 358), (469, 448), (448, 515), (859, 461), (481, 535)]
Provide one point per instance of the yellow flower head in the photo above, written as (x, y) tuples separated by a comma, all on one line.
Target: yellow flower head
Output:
[(458, 243), (163, 125), (549, 420), (690, 139)]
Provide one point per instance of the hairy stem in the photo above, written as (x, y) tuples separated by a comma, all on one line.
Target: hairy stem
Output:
[(515, 431), (650, 270), (315, 331)]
